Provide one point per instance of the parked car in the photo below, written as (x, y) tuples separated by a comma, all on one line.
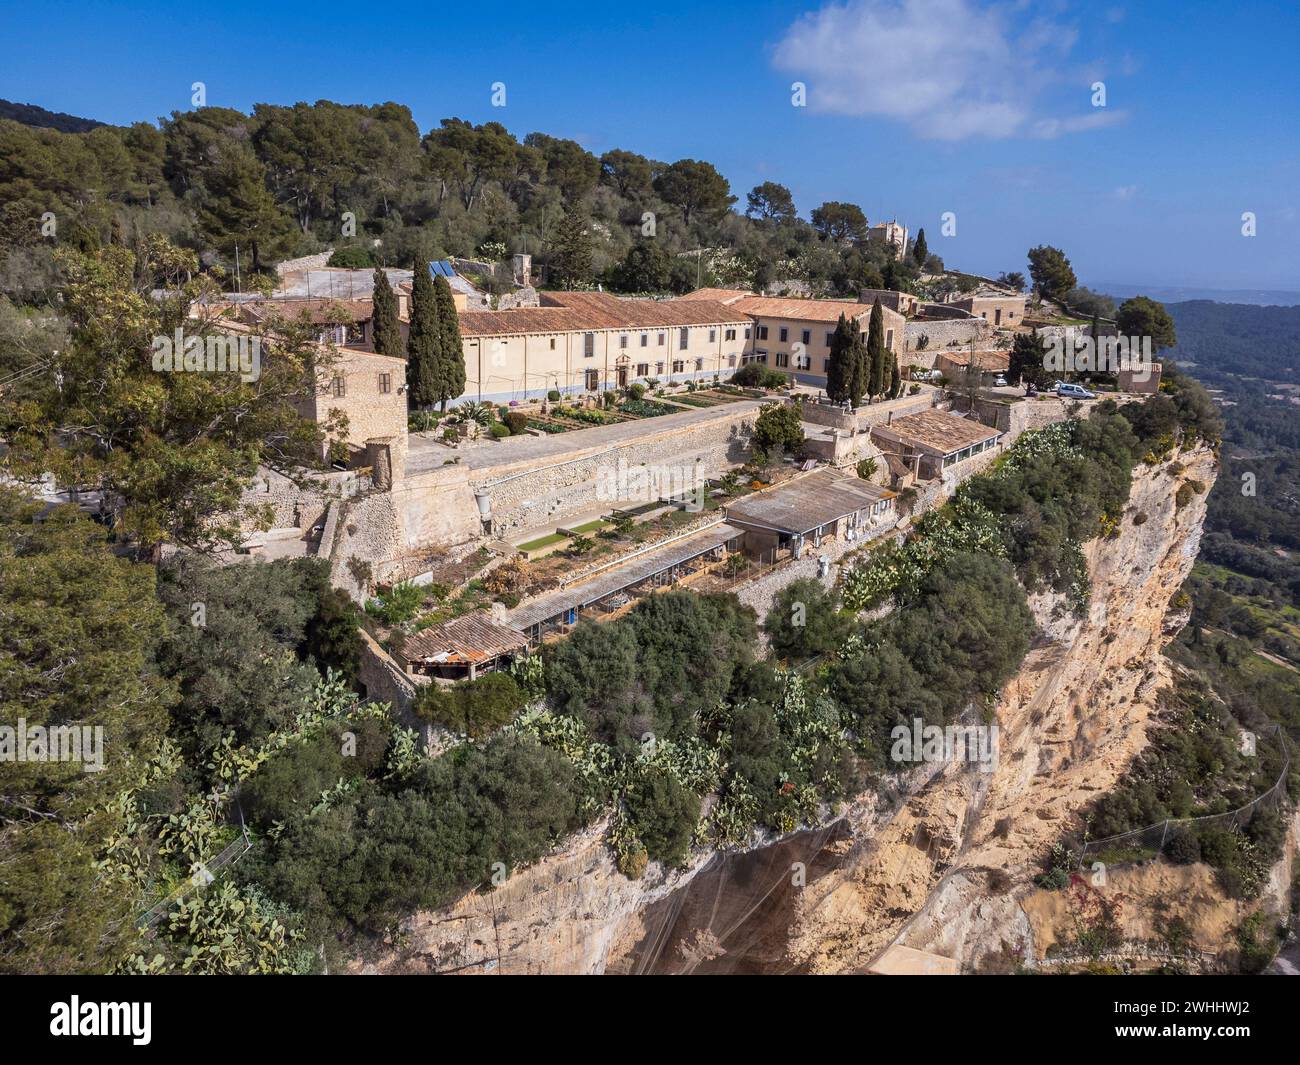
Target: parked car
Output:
[(1068, 391), (1000, 382)]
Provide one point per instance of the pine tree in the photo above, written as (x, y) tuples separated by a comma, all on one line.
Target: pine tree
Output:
[(386, 326), (877, 356), (451, 355), (424, 344), (920, 251), (839, 372)]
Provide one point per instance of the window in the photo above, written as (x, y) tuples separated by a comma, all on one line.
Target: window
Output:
[(747, 332), (593, 380), (762, 333), (622, 340), (645, 339), (699, 365), (385, 383), (684, 339), (659, 367), (340, 386), (782, 359), (713, 335), (552, 343), (643, 369), (588, 345), (829, 337), (730, 334), (889, 338), (662, 338), (806, 337), (785, 334), (826, 365), (803, 362), (731, 360)]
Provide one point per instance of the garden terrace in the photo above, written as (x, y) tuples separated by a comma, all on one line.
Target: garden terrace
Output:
[(617, 586)]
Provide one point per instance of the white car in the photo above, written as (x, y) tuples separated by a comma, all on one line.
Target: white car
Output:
[(1068, 391)]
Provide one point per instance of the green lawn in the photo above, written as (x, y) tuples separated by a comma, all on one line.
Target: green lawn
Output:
[(541, 541)]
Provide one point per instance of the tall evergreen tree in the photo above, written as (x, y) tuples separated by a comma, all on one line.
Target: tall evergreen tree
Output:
[(920, 251), (861, 371), (451, 353), (839, 372), (424, 343), (571, 256), (387, 328), (877, 356), (895, 378)]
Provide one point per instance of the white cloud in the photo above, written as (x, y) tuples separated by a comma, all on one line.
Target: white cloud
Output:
[(948, 69)]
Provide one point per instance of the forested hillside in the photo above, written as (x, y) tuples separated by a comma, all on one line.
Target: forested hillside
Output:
[(287, 181)]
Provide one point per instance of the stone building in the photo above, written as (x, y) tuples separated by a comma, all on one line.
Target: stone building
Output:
[(891, 232), (580, 342), (794, 335)]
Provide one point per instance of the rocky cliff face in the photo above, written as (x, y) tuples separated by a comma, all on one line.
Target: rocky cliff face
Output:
[(948, 871)]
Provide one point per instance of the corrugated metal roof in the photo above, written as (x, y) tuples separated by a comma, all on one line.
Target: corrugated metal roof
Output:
[(617, 578), (474, 638), (807, 503)]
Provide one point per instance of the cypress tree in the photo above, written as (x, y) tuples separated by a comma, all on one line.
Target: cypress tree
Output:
[(840, 371), (860, 373), (386, 327), (876, 353), (920, 251), (895, 379), (451, 365), (424, 344)]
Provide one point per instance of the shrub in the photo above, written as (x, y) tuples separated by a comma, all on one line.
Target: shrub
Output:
[(1183, 496), (1183, 847), (756, 375), (867, 468), (475, 707), (913, 389), (499, 431), (516, 421), (778, 427), (553, 395), (663, 814), (401, 603), (636, 390)]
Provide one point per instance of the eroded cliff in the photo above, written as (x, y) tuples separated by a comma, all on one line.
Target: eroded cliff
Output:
[(947, 870)]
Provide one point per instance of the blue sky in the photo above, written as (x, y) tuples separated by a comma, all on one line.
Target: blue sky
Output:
[(915, 107)]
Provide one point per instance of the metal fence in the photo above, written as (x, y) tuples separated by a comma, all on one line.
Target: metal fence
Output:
[(1145, 844), (202, 874)]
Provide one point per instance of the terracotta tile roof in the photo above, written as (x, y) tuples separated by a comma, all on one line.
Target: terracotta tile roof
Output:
[(938, 431), (721, 295), (474, 638), (802, 310), (316, 310), (564, 312)]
